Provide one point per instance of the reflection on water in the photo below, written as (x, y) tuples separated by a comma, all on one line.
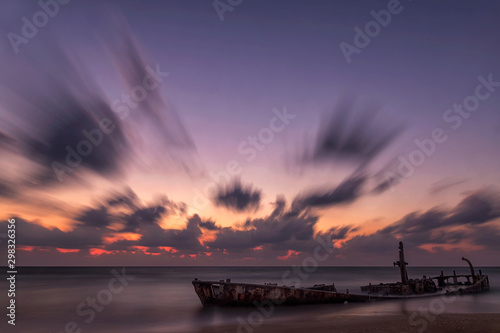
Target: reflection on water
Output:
[(162, 299)]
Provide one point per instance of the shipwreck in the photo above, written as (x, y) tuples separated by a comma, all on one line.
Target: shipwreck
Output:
[(227, 293)]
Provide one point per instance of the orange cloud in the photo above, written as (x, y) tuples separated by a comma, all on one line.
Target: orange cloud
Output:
[(68, 250), (115, 237), (168, 249), (433, 248), (24, 248), (98, 252), (289, 254), (207, 236), (144, 249)]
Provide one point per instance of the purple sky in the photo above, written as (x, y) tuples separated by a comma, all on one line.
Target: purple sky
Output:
[(368, 150)]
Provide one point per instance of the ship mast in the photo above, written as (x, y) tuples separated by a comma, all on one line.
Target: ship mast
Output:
[(402, 264)]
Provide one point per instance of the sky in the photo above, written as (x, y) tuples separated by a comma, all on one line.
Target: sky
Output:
[(248, 132)]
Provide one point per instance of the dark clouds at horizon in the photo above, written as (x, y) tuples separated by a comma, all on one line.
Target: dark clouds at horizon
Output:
[(267, 238)]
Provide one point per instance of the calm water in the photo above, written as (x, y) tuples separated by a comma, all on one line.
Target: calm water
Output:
[(162, 299)]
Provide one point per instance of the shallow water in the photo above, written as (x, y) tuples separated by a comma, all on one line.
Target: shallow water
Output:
[(162, 299)]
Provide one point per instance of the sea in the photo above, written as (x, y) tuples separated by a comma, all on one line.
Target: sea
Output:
[(162, 299)]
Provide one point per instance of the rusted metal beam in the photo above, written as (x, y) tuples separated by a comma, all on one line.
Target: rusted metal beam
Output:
[(402, 264), (471, 269)]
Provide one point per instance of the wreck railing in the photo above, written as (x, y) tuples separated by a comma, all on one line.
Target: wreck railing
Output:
[(443, 280)]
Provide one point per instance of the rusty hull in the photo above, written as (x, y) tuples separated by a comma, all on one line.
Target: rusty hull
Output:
[(245, 294), (230, 294)]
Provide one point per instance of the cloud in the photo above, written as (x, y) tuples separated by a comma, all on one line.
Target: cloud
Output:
[(181, 239), (281, 230), (53, 104), (351, 133), (238, 197), (160, 124), (209, 225), (446, 183), (128, 211), (278, 227), (346, 192), (385, 179), (7, 189), (279, 207), (143, 216), (468, 225), (385, 184), (95, 217), (308, 245), (487, 236), (33, 234), (477, 208), (6, 141), (127, 199), (463, 223), (167, 122), (96, 223)]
